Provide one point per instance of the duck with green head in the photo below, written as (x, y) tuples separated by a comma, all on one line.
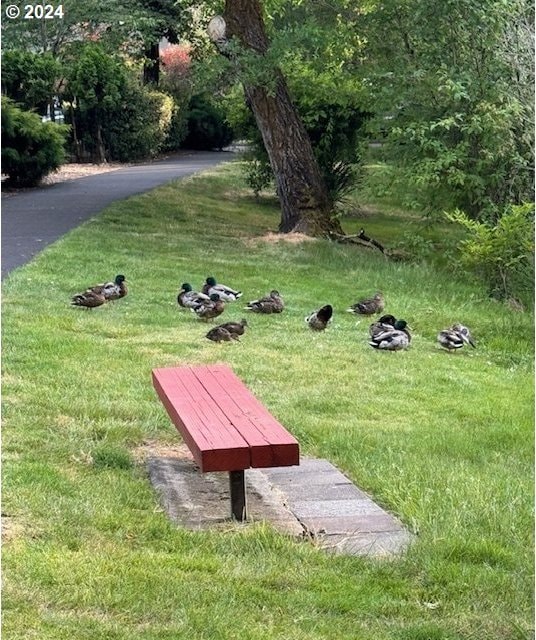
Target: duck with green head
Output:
[(395, 338), (226, 293), (111, 290), (189, 298), (385, 323)]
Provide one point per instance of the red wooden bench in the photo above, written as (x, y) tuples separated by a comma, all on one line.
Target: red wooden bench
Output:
[(224, 425)]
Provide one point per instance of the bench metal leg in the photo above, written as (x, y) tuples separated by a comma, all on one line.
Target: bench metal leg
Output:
[(237, 485)]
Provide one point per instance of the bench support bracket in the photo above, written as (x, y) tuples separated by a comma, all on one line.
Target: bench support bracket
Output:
[(237, 486)]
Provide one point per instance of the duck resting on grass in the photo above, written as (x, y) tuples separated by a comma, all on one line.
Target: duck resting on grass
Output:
[(318, 320), (382, 324), (111, 290), (88, 299), (455, 337), (393, 338), (226, 293), (272, 303), (190, 299), (209, 309), (227, 331), (369, 306)]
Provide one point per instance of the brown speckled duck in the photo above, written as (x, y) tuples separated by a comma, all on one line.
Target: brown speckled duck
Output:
[(209, 309), (89, 299), (272, 303), (369, 306), (227, 331)]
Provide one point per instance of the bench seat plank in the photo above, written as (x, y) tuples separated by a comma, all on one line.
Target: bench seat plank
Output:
[(225, 426), (271, 444), (214, 449)]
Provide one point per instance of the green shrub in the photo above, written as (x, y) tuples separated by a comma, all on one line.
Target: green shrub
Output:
[(258, 173), (138, 127), (178, 128), (30, 148), (207, 128), (502, 256), (30, 78)]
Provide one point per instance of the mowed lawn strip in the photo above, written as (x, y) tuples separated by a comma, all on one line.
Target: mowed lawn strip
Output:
[(444, 441)]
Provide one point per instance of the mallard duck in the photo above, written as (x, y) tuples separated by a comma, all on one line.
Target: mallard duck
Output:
[(111, 290), (209, 309), (272, 303), (220, 334), (369, 306), (382, 324), (393, 338), (318, 320), (188, 298), (227, 331), (226, 293), (236, 328), (88, 299), (455, 337)]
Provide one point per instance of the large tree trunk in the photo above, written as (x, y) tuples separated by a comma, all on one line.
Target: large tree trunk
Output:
[(305, 202)]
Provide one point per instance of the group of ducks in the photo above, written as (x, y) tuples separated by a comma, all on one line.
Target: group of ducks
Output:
[(387, 333), (100, 293), (210, 302)]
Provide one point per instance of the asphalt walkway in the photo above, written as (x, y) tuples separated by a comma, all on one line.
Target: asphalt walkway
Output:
[(35, 218)]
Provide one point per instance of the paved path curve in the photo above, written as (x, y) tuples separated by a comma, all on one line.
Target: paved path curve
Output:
[(33, 219)]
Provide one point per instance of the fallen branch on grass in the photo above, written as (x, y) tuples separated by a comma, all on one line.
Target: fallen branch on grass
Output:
[(359, 238)]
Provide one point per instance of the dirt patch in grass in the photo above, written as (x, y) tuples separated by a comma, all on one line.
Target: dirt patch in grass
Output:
[(155, 449), (11, 528), (272, 238)]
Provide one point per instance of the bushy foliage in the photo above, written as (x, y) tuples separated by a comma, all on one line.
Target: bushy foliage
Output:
[(451, 84), (139, 125), (29, 79), (176, 69), (176, 80), (96, 81), (117, 118), (502, 254), (178, 127), (257, 172), (30, 148), (96, 78), (207, 127)]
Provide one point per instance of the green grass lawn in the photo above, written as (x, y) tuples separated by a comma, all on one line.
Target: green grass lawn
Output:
[(444, 441)]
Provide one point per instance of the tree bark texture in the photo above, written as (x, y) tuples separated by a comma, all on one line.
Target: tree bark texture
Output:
[(305, 202)]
